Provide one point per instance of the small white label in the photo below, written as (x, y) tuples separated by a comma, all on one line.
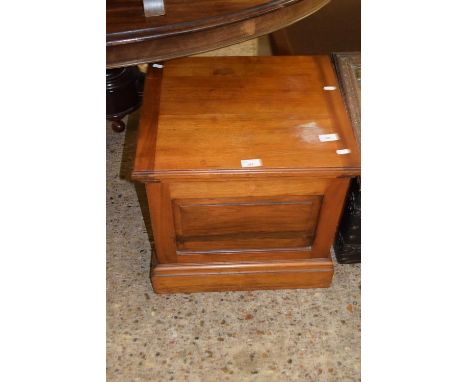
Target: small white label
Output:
[(328, 137), (159, 66), (251, 163), (343, 151), (329, 88)]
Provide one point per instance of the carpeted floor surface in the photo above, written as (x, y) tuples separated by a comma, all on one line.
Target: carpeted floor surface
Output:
[(291, 335)]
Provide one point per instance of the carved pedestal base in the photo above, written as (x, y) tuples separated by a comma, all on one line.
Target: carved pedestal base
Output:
[(124, 88)]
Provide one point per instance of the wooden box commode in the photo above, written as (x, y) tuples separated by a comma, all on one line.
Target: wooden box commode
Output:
[(246, 163)]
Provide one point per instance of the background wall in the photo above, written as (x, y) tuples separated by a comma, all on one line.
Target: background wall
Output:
[(334, 28)]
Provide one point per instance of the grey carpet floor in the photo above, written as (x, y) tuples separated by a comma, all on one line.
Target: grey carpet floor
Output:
[(290, 335)]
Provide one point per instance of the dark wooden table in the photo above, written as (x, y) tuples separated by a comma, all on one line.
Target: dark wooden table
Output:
[(193, 26)]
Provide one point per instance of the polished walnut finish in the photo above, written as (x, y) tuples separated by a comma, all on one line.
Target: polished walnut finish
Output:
[(221, 226), (193, 26)]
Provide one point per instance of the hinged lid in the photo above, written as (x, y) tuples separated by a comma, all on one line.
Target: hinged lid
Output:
[(215, 116)]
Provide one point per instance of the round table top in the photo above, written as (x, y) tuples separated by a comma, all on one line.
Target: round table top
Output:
[(193, 26)]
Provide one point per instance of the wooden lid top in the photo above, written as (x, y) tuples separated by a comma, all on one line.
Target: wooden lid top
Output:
[(211, 114)]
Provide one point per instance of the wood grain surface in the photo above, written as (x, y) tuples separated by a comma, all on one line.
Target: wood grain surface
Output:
[(215, 112)]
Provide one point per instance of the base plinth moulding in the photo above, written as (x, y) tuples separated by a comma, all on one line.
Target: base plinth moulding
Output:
[(189, 278)]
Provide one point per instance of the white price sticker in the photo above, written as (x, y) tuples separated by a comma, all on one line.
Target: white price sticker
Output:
[(343, 151), (328, 137), (251, 163)]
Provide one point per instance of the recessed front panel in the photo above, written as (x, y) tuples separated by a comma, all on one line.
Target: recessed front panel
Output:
[(245, 223)]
